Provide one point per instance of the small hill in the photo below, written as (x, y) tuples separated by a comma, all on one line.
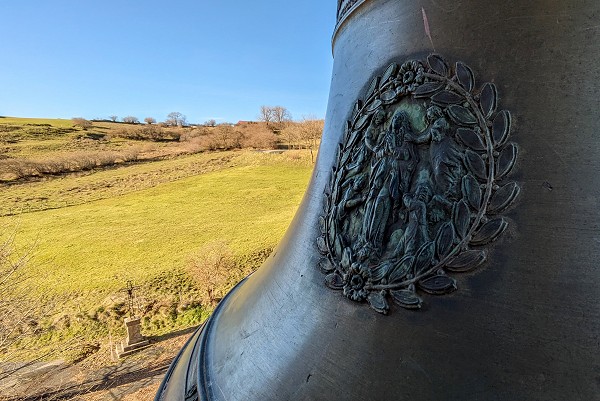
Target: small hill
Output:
[(32, 148)]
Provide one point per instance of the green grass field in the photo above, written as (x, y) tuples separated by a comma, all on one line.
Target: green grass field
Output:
[(84, 187), (92, 232), (142, 233), (154, 218), (38, 138), (55, 122)]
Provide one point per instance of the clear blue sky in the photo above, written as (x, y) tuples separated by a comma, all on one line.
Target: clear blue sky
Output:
[(219, 59)]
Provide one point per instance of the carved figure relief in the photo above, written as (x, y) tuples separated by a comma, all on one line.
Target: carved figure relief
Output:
[(419, 185)]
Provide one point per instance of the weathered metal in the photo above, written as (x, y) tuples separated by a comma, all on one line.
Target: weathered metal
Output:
[(457, 192), (418, 185)]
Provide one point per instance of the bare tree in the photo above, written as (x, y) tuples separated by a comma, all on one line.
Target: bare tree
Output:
[(281, 116), (150, 120), (21, 312), (210, 123), (266, 115), (81, 122), (307, 133), (215, 271), (311, 132), (175, 118), (113, 118), (131, 120), (276, 117), (290, 135), (226, 137)]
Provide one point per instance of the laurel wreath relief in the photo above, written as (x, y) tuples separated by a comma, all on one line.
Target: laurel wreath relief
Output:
[(388, 230)]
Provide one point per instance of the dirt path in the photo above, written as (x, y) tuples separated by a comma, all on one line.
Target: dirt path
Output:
[(98, 378)]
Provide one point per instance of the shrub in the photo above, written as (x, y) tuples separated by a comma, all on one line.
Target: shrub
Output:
[(153, 132), (131, 120), (225, 137), (260, 140), (81, 123), (190, 134), (215, 271), (16, 169)]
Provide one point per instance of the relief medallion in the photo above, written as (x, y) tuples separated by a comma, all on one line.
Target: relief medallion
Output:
[(419, 185)]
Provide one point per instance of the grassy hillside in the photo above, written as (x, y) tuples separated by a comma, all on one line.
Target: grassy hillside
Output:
[(47, 142), (55, 122), (143, 233), (148, 223), (84, 187), (38, 148)]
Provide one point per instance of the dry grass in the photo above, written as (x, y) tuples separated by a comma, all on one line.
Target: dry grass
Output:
[(18, 169)]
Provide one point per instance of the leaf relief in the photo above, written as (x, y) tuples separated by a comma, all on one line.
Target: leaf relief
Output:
[(378, 302), (489, 231), (465, 76), (438, 65), (471, 191), (400, 269), (506, 160), (322, 245), (470, 138), (322, 225), (476, 164), (362, 121), (389, 96), (373, 87), (406, 298), (424, 258), (501, 128), (389, 73), (444, 240), (488, 99), (461, 115), (503, 197), (326, 266), (466, 260), (438, 285), (379, 272), (462, 218), (445, 98), (428, 88), (375, 105)]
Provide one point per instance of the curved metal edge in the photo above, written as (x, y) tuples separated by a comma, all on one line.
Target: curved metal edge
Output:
[(196, 347), (192, 340), (204, 382), (343, 18)]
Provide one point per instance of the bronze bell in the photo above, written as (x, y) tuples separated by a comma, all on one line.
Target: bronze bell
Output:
[(447, 245)]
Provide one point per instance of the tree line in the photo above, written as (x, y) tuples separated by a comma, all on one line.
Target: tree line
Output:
[(174, 119), (274, 128)]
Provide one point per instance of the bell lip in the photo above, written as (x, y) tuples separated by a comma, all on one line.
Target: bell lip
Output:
[(342, 21), (198, 340), (191, 342)]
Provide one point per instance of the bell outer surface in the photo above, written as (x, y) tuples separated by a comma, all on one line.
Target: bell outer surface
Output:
[(523, 326)]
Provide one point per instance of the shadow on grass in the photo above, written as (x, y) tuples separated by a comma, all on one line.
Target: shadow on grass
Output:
[(129, 372), (173, 334), (110, 378)]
